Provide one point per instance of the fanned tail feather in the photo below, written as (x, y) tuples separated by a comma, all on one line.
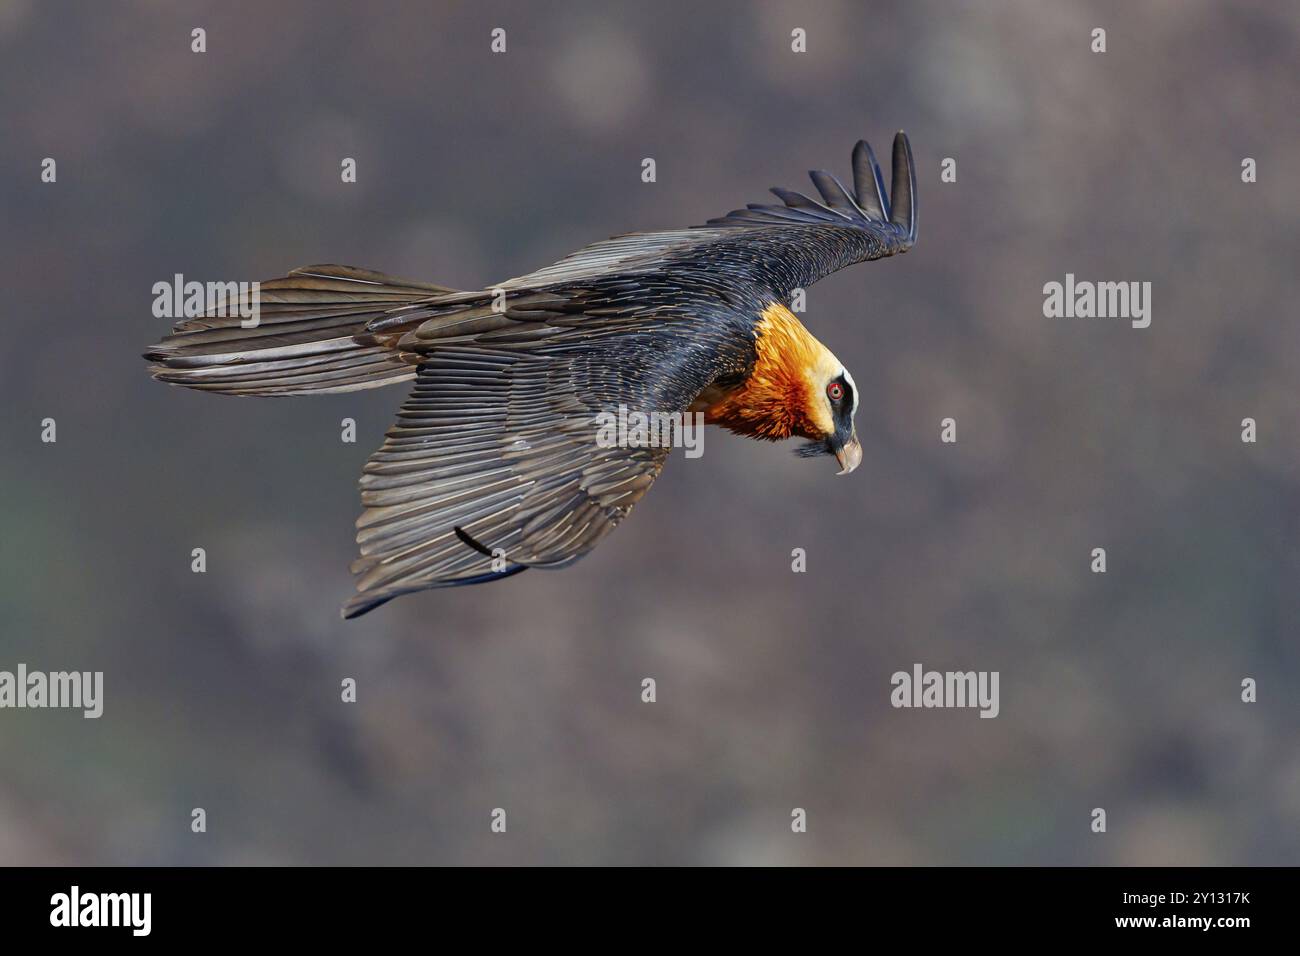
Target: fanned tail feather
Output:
[(310, 338)]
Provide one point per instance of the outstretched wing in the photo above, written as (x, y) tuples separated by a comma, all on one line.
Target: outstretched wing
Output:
[(776, 248), (496, 463)]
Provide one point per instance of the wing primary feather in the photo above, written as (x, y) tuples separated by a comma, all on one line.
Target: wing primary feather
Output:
[(364, 603), (903, 198), (834, 193), (797, 200), (869, 182)]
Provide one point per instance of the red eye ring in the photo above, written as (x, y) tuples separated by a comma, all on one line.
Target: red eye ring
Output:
[(835, 390)]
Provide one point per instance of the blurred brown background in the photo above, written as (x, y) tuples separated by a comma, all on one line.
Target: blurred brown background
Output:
[(222, 690)]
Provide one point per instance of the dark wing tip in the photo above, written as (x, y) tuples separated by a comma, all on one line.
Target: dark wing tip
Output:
[(834, 195), (366, 601), (363, 604), (903, 188), (869, 182), (888, 212), (796, 200)]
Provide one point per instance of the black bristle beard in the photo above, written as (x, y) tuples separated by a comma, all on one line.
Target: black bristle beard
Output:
[(812, 449)]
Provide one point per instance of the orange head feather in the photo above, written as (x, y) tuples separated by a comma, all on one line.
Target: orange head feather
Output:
[(783, 397)]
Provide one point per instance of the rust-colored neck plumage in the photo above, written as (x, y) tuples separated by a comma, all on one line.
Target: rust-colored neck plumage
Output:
[(781, 398)]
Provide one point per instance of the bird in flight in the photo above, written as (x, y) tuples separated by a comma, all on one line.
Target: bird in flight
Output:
[(494, 465)]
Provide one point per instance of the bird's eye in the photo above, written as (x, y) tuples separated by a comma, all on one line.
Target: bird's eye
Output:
[(835, 390)]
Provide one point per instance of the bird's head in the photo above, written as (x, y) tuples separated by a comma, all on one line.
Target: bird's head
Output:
[(832, 400), (797, 389), (819, 392)]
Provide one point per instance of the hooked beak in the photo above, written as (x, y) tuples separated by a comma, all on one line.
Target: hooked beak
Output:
[(849, 455)]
